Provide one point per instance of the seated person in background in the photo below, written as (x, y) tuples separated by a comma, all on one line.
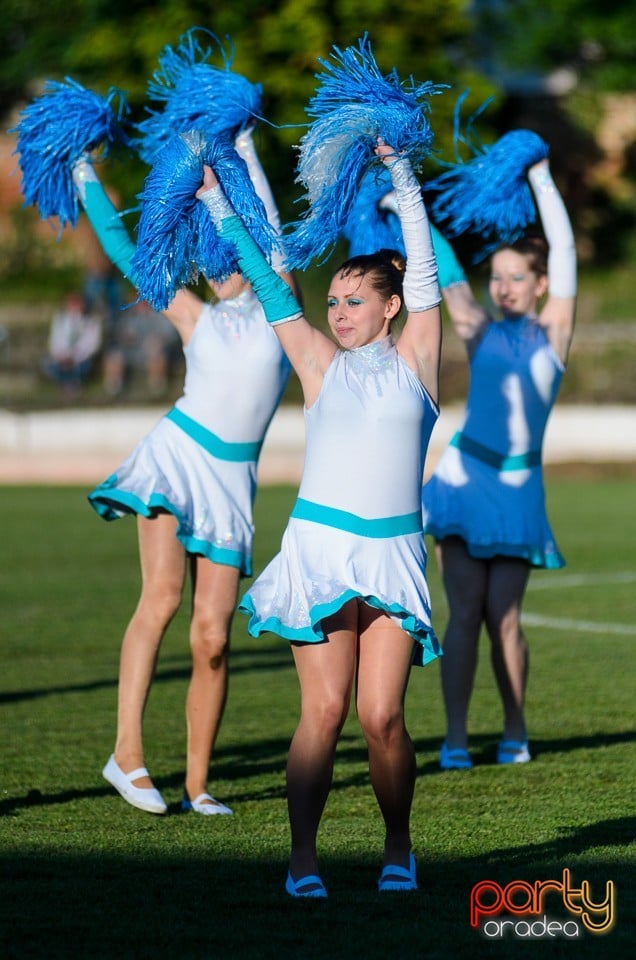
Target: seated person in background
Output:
[(141, 340), (75, 339)]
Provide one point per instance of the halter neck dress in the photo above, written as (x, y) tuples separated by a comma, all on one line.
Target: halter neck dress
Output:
[(356, 528), (488, 485), (200, 461)]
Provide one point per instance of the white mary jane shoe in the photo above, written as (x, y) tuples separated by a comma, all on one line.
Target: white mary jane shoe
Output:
[(148, 798), (208, 809)]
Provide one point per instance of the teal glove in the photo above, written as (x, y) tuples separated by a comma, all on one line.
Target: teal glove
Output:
[(277, 300), (449, 269), (104, 218)]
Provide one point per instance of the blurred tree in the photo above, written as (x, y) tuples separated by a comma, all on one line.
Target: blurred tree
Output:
[(117, 43), (567, 71), (484, 46), (594, 39)]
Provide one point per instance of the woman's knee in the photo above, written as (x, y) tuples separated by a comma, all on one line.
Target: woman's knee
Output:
[(381, 723), (160, 600), (326, 714), (504, 625), (465, 622), (210, 638)]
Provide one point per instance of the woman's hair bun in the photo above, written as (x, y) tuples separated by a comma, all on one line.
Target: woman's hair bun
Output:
[(394, 257)]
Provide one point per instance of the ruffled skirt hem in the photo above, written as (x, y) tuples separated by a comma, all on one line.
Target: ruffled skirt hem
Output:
[(112, 504), (426, 649), (539, 557)]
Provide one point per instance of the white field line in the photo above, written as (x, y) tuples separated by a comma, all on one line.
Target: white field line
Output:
[(580, 626), (568, 580), (557, 581)]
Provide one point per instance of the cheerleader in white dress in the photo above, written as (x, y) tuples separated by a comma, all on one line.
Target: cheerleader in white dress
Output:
[(199, 462), (191, 483), (485, 502), (348, 588)]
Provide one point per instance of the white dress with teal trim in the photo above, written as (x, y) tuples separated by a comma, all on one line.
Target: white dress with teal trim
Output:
[(356, 527), (199, 462), (488, 486)]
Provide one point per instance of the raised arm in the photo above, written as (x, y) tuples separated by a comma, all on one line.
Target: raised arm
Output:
[(109, 229), (557, 316), (244, 145), (421, 338), (468, 316), (309, 351)]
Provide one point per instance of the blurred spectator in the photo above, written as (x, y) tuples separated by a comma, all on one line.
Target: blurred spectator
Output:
[(75, 339), (103, 294), (141, 340)]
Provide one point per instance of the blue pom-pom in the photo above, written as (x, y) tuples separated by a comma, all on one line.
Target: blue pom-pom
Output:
[(177, 239), (53, 132), (371, 227), (489, 195), (354, 105), (196, 95)]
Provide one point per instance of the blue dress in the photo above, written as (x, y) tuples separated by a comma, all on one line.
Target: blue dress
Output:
[(356, 527), (199, 462), (488, 486)]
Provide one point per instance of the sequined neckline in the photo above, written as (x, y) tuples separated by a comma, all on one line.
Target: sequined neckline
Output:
[(373, 352), (246, 295), (235, 312)]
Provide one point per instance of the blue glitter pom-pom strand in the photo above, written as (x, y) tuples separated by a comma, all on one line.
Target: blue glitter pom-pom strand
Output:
[(194, 94), (369, 226), (354, 105), (489, 195), (53, 132), (177, 240)]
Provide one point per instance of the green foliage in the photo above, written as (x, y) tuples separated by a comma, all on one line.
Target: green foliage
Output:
[(597, 40), (469, 45), (118, 44)]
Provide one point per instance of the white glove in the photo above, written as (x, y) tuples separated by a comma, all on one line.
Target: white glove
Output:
[(421, 287), (558, 232), (244, 146)]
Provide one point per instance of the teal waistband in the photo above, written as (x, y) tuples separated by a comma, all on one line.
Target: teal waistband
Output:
[(518, 461), (237, 452), (361, 526)]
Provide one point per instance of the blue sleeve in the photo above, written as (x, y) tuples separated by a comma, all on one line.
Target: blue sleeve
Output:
[(108, 227), (449, 269), (276, 298)]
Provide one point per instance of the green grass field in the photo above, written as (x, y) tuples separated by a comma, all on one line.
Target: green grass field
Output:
[(84, 875)]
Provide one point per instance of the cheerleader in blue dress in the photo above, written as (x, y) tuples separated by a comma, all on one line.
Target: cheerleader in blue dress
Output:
[(485, 502), (348, 588)]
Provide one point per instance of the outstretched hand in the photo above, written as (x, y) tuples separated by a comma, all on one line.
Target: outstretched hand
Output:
[(209, 180)]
